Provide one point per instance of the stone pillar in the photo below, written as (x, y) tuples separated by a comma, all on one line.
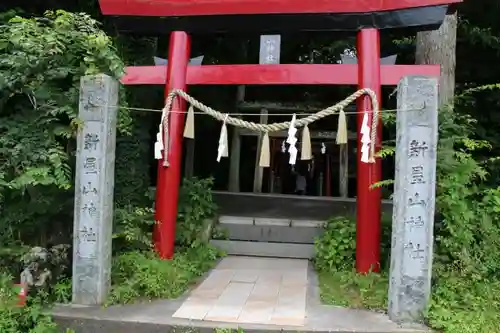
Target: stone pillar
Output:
[(94, 186), (414, 199)]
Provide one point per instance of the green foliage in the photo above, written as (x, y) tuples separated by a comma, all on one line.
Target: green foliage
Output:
[(336, 249), (462, 305), (133, 229), (142, 275), (11, 257), (466, 274), (349, 289), (467, 262), (40, 69), (196, 208), (467, 228), (133, 149), (133, 158), (137, 272), (17, 319), (334, 258)]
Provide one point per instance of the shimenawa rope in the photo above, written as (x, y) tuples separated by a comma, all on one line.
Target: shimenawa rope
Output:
[(266, 128)]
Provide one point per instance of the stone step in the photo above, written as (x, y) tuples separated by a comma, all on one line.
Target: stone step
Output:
[(258, 229), (139, 319), (263, 249)]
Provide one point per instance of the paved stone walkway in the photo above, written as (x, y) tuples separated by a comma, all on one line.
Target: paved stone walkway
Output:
[(251, 290), (254, 294)]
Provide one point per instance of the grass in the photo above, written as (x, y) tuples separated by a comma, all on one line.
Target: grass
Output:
[(461, 305), (351, 290), (143, 276), (458, 306)]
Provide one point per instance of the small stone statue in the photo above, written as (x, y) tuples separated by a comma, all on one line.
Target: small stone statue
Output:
[(41, 265)]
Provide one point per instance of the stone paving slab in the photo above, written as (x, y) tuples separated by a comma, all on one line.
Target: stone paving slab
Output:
[(251, 290)]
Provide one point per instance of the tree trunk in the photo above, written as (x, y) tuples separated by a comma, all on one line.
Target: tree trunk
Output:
[(438, 47)]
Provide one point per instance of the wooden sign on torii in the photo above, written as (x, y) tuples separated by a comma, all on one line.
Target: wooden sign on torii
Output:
[(181, 17)]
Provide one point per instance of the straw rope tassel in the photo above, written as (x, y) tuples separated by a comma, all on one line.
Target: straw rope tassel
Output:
[(342, 128), (365, 140), (305, 151), (189, 127), (265, 156), (159, 144), (222, 150), (225, 152)]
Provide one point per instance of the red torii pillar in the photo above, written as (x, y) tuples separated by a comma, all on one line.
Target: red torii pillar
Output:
[(168, 181), (368, 73), (368, 202)]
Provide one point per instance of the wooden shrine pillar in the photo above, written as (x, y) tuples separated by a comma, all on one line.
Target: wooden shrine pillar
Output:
[(189, 161), (258, 175), (344, 170), (235, 154)]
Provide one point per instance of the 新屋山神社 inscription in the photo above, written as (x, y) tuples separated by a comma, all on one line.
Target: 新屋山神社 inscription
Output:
[(89, 200), (416, 215), (414, 199)]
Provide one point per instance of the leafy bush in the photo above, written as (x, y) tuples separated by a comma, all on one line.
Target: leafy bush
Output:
[(143, 275), (40, 68), (463, 305), (336, 249), (466, 275), (137, 272), (16, 319), (133, 229), (196, 211)]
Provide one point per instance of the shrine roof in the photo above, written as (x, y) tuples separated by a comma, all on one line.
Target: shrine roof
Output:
[(273, 15)]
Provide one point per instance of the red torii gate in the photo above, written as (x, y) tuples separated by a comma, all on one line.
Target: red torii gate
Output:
[(366, 17)]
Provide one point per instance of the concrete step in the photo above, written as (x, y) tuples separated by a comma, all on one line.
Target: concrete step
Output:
[(275, 230), (156, 317), (263, 249)]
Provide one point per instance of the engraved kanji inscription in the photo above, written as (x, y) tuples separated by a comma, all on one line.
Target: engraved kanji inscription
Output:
[(417, 175), (90, 165), (90, 141), (269, 49), (418, 148), (89, 188), (91, 209), (416, 200), (87, 234), (415, 221), (416, 250), (270, 58)]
